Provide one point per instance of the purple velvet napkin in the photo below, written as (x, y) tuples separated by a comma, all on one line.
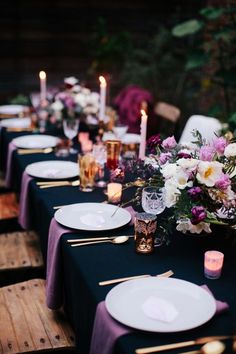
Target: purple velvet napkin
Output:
[(107, 330), (8, 177), (54, 289), (24, 214), (54, 281)]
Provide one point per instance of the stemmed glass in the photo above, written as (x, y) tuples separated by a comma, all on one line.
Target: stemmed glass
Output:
[(100, 154), (70, 128), (153, 202)]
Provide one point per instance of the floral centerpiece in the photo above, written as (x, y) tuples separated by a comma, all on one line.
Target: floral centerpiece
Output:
[(198, 180), (73, 100)]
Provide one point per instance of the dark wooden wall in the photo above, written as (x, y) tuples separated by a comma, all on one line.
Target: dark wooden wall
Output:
[(53, 35)]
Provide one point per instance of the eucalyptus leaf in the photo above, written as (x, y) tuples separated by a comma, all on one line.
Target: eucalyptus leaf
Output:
[(196, 60), (212, 13), (186, 28)]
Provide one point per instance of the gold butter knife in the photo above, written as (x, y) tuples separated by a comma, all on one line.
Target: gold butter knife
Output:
[(164, 347), (119, 280)]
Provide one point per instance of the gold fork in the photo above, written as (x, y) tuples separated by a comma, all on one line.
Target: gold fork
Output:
[(34, 151), (60, 184)]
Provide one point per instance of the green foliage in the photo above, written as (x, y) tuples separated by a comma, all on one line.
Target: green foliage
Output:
[(186, 28), (20, 99)]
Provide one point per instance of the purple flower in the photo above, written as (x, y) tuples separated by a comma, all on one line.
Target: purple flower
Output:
[(195, 192), (198, 214), (220, 145), (207, 153), (224, 182), (153, 142), (169, 143), (164, 157)]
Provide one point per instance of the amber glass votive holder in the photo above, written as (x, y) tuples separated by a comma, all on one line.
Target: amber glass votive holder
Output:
[(145, 226), (113, 153)]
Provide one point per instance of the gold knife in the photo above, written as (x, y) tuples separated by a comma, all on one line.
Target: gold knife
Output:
[(119, 280), (160, 348)]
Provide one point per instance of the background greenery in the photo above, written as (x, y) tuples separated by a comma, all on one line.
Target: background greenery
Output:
[(190, 64)]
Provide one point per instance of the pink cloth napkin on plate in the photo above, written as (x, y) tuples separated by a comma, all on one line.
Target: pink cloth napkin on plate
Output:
[(8, 177), (54, 288), (24, 214), (107, 330)]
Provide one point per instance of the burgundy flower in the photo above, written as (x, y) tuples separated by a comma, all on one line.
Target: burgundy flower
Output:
[(153, 142), (183, 155), (198, 214)]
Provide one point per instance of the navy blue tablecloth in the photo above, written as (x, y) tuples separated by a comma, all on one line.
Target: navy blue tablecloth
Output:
[(84, 267)]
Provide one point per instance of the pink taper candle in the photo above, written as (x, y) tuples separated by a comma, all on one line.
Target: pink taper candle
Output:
[(143, 132), (103, 86), (43, 88)]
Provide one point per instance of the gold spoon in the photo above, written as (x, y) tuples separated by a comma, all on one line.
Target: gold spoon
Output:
[(34, 151), (117, 240), (214, 347)]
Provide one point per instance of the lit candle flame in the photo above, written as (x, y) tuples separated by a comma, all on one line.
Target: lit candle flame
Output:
[(42, 75), (103, 82), (143, 113)]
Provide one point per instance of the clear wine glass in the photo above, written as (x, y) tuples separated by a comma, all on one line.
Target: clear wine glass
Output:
[(100, 155), (70, 128), (153, 202)]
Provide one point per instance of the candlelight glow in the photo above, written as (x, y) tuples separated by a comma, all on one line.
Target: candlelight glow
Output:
[(103, 82), (42, 75), (143, 113)]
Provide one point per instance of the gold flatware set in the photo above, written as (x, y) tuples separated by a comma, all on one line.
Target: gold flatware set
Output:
[(49, 184), (34, 151)]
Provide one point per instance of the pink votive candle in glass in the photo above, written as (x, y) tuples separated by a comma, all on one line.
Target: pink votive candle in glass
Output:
[(213, 263)]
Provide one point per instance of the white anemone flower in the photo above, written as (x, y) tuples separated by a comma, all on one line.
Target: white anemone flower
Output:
[(171, 193), (209, 172), (169, 170), (230, 150)]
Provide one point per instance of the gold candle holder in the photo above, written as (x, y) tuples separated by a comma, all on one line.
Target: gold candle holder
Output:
[(145, 226)]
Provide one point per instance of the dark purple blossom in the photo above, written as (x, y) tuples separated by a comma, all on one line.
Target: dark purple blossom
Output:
[(198, 214), (183, 155), (195, 192), (153, 142)]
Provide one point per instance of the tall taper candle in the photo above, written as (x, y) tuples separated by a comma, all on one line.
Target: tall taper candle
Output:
[(43, 88), (143, 132), (103, 86)]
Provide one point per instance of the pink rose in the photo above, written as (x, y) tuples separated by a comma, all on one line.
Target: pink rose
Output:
[(220, 145), (224, 182), (207, 153), (169, 143)]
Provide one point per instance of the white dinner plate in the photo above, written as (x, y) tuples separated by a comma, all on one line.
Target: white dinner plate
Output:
[(194, 305), (15, 123), (92, 216), (35, 141), (53, 169), (12, 109), (128, 138)]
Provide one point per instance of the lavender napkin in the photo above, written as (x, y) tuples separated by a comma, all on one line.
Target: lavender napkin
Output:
[(106, 330), (54, 289), (8, 177), (24, 214)]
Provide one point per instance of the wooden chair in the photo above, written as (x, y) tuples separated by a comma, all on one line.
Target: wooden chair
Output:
[(9, 207), (27, 325), (20, 257)]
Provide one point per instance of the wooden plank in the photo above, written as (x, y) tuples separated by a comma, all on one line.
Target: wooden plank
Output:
[(16, 312), (50, 318), (14, 250), (3, 241), (9, 207), (8, 341), (36, 328), (33, 249)]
